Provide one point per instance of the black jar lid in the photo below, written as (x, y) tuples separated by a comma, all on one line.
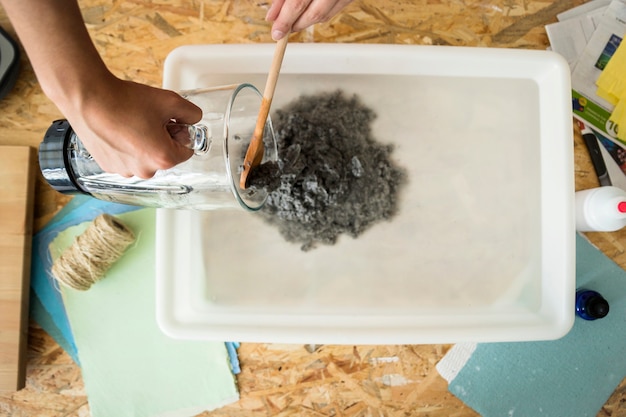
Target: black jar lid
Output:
[(53, 158)]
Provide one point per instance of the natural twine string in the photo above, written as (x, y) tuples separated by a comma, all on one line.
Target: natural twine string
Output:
[(93, 253)]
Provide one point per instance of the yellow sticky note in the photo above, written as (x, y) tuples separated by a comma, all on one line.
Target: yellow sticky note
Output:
[(606, 95), (611, 80), (612, 88)]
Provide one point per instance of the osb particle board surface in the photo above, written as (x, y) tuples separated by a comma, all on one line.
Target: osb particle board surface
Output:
[(282, 379)]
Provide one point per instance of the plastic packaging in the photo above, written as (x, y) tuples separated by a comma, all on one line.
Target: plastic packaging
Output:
[(601, 209), (463, 259), (590, 305)]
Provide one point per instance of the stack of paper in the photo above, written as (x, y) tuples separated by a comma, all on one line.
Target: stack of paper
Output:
[(589, 36), (128, 365)]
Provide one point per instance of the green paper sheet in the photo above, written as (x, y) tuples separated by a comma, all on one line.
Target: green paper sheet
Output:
[(129, 367)]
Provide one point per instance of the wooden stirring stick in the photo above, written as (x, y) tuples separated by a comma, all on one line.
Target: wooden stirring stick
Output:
[(254, 154)]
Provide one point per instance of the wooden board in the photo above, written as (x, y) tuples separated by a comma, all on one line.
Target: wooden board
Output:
[(16, 219)]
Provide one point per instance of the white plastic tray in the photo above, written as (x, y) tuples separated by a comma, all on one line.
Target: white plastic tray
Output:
[(482, 248)]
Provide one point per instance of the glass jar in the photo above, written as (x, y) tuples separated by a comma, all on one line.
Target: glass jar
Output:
[(209, 180)]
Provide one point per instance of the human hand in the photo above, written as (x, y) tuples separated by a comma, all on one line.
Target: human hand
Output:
[(295, 15), (124, 126)]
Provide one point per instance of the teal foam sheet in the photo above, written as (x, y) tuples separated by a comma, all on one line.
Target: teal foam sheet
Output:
[(572, 376)]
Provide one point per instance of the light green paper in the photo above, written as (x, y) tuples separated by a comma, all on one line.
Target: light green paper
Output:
[(129, 367)]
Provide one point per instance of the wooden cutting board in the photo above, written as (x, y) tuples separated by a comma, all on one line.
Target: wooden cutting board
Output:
[(17, 184)]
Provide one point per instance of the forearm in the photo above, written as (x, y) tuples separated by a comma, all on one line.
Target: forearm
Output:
[(59, 48)]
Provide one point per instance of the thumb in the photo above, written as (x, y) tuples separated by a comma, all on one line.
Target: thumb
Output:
[(185, 111)]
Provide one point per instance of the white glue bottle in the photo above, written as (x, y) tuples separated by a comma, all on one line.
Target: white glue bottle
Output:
[(601, 209)]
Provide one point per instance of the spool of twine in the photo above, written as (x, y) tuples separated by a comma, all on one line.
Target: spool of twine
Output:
[(93, 253)]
